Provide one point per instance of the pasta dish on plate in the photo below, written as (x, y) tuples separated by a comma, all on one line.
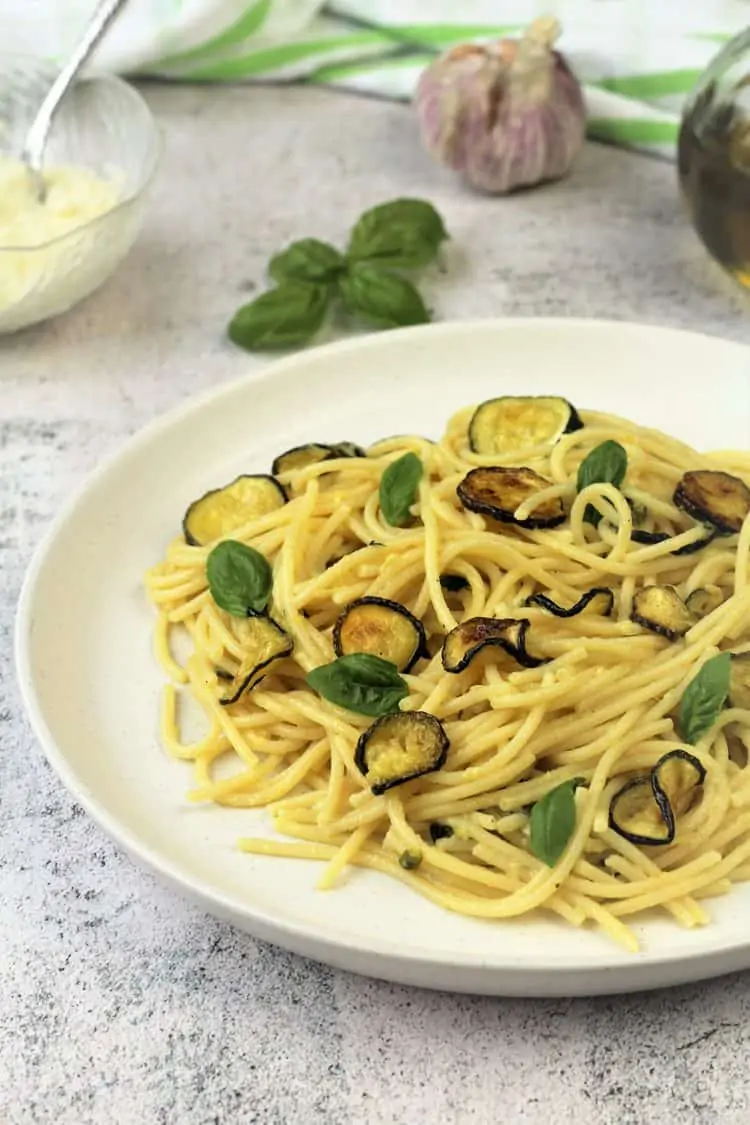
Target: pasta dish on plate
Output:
[(510, 668)]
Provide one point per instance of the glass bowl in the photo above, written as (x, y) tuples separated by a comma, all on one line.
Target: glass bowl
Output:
[(103, 125)]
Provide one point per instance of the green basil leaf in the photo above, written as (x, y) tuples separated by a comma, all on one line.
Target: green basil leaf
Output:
[(553, 821), (307, 260), (281, 318), (398, 488), (606, 464), (381, 298), (703, 698), (404, 233), (239, 578), (360, 682), (393, 248)]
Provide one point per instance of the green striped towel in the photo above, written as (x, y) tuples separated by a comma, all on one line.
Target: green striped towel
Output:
[(638, 59)]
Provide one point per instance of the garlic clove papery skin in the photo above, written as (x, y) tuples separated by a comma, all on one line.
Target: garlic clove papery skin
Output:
[(506, 115)]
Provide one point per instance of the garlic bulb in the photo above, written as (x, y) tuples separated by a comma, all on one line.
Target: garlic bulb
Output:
[(506, 114)]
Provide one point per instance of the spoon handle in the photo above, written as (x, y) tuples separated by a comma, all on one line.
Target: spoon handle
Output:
[(36, 139)]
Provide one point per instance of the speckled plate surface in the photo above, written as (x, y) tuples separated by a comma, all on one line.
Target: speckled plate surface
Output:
[(92, 687)]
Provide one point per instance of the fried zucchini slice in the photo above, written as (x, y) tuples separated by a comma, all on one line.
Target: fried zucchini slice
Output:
[(381, 628), (714, 497), (739, 681), (662, 610), (600, 598), (464, 642), (651, 538), (221, 511), (678, 775), (347, 449), (301, 456), (497, 492), (703, 601), (500, 426), (313, 453), (637, 814), (644, 811), (264, 642), (400, 747)]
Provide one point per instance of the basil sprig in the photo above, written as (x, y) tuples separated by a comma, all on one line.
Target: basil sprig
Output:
[(398, 488), (239, 578), (360, 682), (403, 234), (307, 260), (606, 464), (312, 276), (703, 698), (553, 821), (383, 299), (283, 317)]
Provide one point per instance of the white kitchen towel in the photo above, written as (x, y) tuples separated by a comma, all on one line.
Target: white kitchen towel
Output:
[(637, 58)]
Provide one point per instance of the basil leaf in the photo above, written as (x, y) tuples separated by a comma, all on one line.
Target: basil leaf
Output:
[(553, 821), (239, 578), (307, 260), (393, 247), (281, 318), (703, 698), (384, 299), (360, 682), (404, 233), (398, 488), (607, 463)]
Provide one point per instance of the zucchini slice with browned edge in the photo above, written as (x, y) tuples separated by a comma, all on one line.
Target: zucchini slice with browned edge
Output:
[(313, 453), (347, 449), (651, 538), (714, 497), (662, 610), (600, 599), (223, 510), (464, 642), (497, 492), (739, 680), (703, 601), (381, 628), (644, 811), (638, 815), (301, 456), (501, 426), (264, 643), (400, 747), (678, 775)]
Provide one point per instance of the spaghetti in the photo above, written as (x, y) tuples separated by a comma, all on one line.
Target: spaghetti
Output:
[(596, 708)]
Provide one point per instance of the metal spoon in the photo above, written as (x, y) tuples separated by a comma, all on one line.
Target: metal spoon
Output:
[(32, 153)]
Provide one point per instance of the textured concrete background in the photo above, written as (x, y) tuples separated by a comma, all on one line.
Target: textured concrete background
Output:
[(121, 1004)]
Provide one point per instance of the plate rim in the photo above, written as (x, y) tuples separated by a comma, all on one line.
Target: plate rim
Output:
[(310, 938)]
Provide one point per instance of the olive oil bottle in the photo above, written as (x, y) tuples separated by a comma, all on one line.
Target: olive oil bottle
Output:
[(714, 170), (714, 157)]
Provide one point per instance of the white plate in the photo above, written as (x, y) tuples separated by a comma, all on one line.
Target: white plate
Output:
[(92, 686)]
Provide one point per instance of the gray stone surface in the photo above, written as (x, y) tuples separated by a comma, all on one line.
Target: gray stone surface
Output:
[(120, 1003)]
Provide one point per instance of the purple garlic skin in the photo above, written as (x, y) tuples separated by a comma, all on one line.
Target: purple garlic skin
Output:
[(506, 115)]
